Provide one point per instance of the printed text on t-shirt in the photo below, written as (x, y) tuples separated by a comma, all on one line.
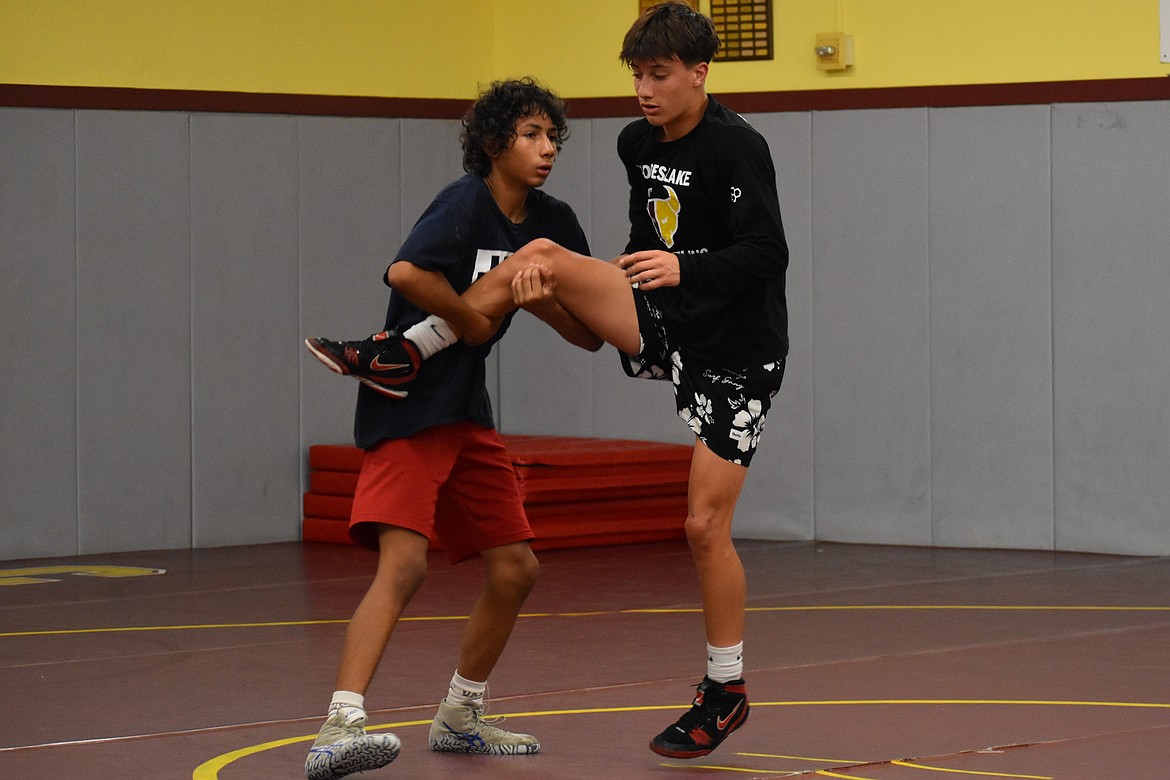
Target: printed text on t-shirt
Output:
[(486, 260), (661, 173)]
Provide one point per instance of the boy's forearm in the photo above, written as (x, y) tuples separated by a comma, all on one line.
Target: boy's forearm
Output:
[(431, 292)]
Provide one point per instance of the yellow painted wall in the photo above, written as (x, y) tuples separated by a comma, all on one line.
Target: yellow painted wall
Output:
[(389, 48), (448, 48)]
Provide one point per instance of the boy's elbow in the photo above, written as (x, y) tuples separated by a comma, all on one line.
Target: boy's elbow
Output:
[(396, 274)]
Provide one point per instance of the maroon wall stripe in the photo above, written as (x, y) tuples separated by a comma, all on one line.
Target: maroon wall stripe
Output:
[(1033, 93), (123, 98)]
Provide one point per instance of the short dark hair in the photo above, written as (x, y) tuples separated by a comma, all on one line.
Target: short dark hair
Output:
[(668, 30), (490, 124)]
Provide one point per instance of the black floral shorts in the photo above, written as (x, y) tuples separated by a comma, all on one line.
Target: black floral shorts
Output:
[(725, 407)]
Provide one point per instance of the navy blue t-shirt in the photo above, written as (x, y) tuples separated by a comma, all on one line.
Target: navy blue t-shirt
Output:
[(462, 234)]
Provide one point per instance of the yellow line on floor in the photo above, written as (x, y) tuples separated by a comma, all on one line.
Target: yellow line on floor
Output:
[(647, 611), (209, 770), (928, 768)]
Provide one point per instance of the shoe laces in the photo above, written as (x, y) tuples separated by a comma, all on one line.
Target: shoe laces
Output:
[(479, 711), (698, 714)]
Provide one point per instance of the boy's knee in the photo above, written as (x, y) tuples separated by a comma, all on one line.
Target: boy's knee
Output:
[(538, 250), (541, 246), (697, 529), (705, 532), (401, 578), (527, 569), (535, 251), (411, 573), (516, 573)]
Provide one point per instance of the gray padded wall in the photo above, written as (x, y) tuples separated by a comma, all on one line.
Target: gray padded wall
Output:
[(133, 331), (1111, 317), (990, 328), (431, 159), (246, 462), (870, 326), (978, 301), (350, 201), (607, 221), (38, 396)]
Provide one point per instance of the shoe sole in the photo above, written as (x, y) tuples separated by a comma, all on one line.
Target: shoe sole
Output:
[(680, 753), (383, 389), (492, 750), (351, 761), (326, 359)]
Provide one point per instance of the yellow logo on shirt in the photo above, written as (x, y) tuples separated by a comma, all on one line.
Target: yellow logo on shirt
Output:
[(664, 212)]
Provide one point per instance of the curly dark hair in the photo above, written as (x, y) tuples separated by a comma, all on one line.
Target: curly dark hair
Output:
[(489, 126), (668, 30)]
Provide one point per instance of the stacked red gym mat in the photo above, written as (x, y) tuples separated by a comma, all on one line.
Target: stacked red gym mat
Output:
[(577, 492)]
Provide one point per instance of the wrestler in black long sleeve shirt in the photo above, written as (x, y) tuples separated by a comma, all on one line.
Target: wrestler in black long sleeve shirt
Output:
[(710, 198)]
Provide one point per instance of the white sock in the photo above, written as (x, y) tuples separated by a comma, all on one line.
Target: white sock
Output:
[(725, 664), (430, 336), (347, 699), (464, 691)]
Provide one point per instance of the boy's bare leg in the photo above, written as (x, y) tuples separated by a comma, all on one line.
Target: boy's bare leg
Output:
[(595, 296), (342, 746), (402, 567), (714, 488), (594, 291), (459, 725), (720, 707), (511, 573)]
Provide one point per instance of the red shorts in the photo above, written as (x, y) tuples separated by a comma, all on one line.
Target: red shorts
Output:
[(454, 483)]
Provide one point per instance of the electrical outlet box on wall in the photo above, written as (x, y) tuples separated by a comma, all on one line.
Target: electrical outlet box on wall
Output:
[(835, 51)]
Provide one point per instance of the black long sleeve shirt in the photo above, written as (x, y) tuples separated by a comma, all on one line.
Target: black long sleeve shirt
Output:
[(710, 198)]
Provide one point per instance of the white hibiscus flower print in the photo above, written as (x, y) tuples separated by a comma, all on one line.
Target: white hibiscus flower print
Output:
[(697, 415), (748, 425)]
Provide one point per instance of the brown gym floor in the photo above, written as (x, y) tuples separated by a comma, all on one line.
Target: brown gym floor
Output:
[(869, 663)]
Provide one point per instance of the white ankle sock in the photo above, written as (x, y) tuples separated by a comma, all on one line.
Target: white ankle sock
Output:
[(725, 664), (464, 691), (347, 699), (430, 336)]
